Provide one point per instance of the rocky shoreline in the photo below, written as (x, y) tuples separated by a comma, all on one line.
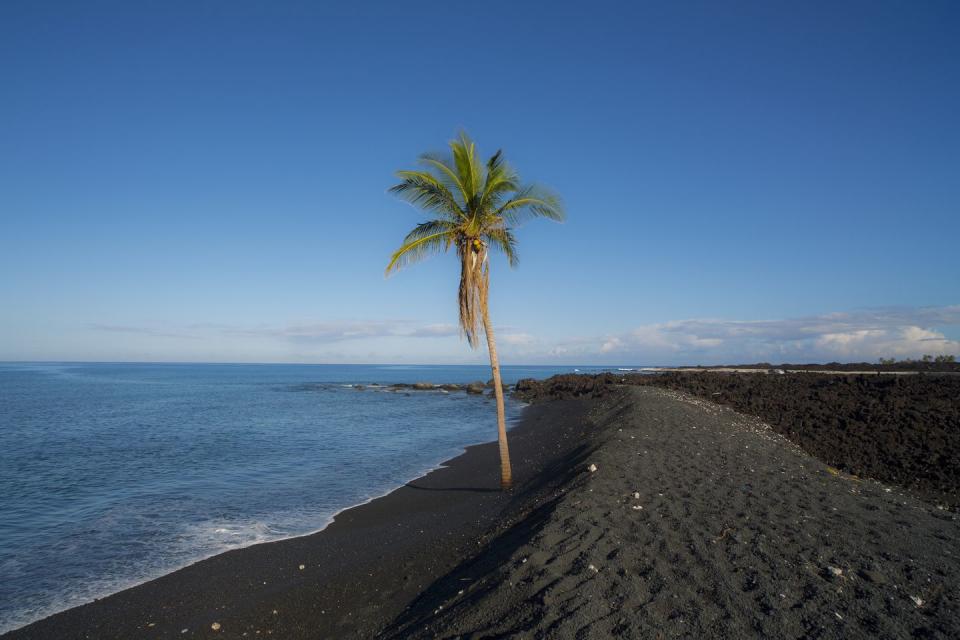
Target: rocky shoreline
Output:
[(474, 388)]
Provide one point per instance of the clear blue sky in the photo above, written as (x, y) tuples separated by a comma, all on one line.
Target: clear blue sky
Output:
[(745, 180)]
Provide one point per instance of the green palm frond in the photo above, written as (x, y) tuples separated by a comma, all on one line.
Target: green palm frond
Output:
[(475, 205), (427, 238), (501, 180), (469, 168), (505, 242), (447, 173), (422, 189), (532, 202)]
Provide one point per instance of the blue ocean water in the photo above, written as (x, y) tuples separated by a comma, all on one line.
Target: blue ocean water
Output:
[(113, 474)]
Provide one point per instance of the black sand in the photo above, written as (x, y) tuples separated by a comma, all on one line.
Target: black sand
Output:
[(734, 533)]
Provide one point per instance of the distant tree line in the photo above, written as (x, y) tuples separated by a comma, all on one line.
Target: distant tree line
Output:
[(943, 358)]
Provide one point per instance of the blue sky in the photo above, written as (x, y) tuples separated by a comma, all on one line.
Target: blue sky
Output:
[(206, 181)]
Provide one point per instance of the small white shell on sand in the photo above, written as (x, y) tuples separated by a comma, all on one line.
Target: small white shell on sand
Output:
[(215, 626), (636, 495), (592, 468), (593, 568), (302, 567), (637, 507), (917, 600), (835, 571)]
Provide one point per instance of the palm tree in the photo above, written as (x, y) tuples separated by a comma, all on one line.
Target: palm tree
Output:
[(473, 207)]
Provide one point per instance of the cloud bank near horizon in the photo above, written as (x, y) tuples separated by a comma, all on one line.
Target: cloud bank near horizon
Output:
[(857, 336), (863, 335)]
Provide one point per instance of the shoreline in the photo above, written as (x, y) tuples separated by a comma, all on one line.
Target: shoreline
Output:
[(638, 510), (427, 495), (329, 520), (444, 462)]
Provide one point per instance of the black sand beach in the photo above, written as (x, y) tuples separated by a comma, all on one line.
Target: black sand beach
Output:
[(702, 523), (359, 573), (698, 522)]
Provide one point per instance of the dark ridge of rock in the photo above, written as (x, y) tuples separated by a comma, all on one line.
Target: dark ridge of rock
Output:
[(904, 430), (476, 388), (566, 386), (909, 365)]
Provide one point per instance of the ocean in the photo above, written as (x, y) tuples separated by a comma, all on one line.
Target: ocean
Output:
[(114, 474)]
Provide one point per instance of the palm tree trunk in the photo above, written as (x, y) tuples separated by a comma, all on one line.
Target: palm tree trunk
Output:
[(506, 475)]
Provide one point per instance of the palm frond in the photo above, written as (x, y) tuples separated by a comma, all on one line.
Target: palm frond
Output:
[(500, 180), (472, 294), (422, 189), (532, 202), (445, 169), (504, 240), (427, 238), (475, 206), (469, 169)]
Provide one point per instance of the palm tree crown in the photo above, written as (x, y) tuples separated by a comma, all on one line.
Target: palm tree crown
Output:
[(475, 206)]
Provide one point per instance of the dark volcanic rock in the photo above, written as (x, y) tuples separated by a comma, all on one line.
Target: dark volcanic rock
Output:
[(476, 388), (566, 386), (901, 429), (423, 386)]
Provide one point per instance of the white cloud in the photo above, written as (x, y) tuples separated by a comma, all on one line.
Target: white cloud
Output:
[(862, 335), (435, 331), (611, 345), (516, 339), (318, 332)]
